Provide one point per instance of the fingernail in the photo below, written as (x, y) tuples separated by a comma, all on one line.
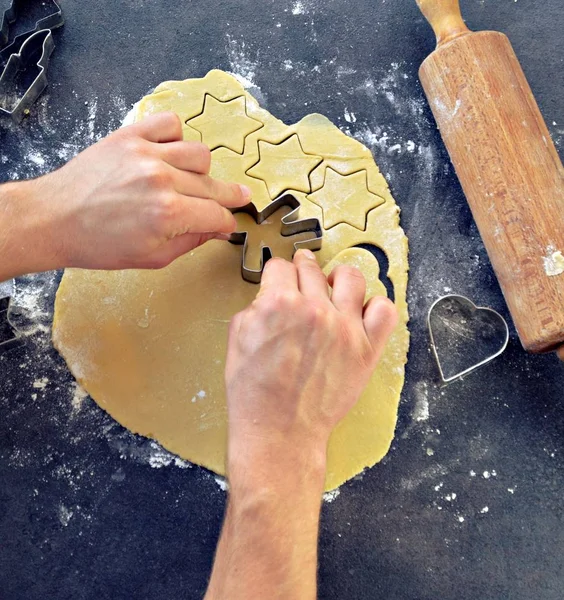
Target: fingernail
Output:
[(307, 253), (222, 236), (246, 192)]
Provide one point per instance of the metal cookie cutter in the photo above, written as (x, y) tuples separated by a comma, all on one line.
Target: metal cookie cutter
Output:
[(51, 21), (36, 49), (9, 336), (463, 333), (289, 226)]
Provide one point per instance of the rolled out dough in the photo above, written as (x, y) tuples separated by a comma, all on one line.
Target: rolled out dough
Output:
[(149, 346)]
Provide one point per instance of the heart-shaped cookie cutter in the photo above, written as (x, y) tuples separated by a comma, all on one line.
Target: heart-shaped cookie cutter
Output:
[(468, 305), (289, 226)]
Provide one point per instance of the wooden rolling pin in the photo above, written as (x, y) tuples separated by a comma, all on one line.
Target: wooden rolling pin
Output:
[(507, 164)]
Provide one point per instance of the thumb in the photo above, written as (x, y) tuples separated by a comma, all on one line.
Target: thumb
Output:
[(158, 128), (189, 241), (380, 318)]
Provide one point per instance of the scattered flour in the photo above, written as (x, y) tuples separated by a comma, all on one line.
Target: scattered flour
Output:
[(222, 483), (242, 66), (332, 495), (40, 384), (553, 262), (44, 149), (78, 398), (65, 515), (159, 457), (298, 8), (420, 411)]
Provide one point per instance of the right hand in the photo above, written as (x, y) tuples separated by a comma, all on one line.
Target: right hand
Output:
[(299, 357), (137, 199)]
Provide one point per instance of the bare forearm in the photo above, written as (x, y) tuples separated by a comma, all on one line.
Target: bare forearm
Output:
[(27, 230), (268, 547)]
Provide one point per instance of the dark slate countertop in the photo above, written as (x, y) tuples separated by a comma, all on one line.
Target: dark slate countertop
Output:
[(468, 503)]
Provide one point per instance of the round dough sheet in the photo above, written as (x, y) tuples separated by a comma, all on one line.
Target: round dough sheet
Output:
[(149, 346)]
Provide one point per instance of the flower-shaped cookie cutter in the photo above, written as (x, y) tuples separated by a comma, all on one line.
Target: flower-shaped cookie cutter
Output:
[(290, 225)]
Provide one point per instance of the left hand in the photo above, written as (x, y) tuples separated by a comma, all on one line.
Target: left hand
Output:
[(139, 198)]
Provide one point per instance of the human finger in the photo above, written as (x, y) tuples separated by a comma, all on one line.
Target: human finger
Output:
[(235, 324), (230, 195), (181, 244), (196, 215), (380, 319), (311, 280), (279, 274), (349, 290), (187, 156), (158, 128)]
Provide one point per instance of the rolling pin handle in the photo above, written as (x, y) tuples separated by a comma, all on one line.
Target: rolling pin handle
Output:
[(560, 353), (445, 19)]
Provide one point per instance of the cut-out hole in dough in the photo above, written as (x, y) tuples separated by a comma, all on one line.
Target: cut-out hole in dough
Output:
[(384, 263)]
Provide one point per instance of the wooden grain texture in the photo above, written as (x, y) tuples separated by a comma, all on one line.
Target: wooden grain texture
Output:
[(510, 171), (445, 19)]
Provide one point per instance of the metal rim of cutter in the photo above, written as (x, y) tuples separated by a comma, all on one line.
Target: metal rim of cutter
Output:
[(51, 21), (42, 40), (16, 341), (477, 365), (289, 226)]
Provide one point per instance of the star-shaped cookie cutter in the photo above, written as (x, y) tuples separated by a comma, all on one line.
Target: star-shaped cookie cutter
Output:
[(289, 226)]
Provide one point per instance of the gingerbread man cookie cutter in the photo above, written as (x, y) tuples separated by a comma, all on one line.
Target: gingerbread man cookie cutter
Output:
[(289, 226)]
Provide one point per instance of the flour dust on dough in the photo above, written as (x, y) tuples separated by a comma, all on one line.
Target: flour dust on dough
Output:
[(149, 346)]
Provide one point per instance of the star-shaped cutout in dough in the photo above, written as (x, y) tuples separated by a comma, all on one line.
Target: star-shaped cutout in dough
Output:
[(345, 199), (284, 166), (225, 123)]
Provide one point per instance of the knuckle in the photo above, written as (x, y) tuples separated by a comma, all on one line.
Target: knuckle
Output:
[(210, 187), (170, 118), (223, 218), (155, 174), (134, 145), (163, 211), (204, 155), (235, 192), (316, 315)]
